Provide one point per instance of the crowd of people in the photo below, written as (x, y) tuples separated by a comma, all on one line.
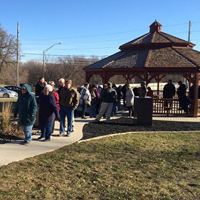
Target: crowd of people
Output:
[(61, 104), (50, 105)]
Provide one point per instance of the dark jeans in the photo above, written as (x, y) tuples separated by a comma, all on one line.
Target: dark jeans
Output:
[(93, 110), (46, 129), (84, 107)]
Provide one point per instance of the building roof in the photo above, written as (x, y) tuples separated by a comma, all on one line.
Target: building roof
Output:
[(154, 49)]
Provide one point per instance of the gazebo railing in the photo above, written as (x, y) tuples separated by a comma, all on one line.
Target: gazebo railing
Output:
[(167, 106)]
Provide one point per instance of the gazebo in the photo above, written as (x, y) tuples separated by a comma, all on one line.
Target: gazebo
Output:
[(152, 56)]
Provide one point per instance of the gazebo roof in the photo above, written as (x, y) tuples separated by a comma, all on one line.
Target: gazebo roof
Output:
[(152, 50)]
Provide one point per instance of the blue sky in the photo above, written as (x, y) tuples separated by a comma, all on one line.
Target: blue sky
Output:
[(93, 27)]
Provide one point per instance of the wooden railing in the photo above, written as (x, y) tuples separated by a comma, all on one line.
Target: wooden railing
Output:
[(167, 106)]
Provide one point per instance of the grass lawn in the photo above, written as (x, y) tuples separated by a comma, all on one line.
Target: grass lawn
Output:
[(133, 166)]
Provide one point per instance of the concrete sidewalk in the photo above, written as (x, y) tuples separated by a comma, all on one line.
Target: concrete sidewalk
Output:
[(14, 151)]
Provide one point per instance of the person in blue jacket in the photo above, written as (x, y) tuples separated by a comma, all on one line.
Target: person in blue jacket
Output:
[(26, 106)]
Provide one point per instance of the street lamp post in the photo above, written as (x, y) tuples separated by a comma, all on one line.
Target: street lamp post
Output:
[(44, 54)]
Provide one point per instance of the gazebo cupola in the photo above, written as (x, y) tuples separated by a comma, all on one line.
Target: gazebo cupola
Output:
[(155, 26)]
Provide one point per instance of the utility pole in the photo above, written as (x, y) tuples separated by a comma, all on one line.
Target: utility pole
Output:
[(17, 53), (190, 24)]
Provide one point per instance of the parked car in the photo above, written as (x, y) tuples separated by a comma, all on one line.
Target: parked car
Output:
[(16, 88), (5, 93), (13, 88)]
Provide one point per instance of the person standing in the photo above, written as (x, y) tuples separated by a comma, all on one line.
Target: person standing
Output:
[(108, 97), (119, 96), (149, 92), (143, 89), (129, 100), (47, 113), (26, 106), (94, 99), (61, 85), (85, 97), (39, 87), (99, 90), (68, 103), (55, 94), (181, 92), (168, 92), (56, 98), (123, 90)]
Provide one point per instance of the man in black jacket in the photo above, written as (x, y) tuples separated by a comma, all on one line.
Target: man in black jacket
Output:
[(181, 91), (168, 92), (39, 87)]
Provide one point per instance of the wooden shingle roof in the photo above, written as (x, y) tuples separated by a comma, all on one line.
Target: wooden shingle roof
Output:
[(152, 50)]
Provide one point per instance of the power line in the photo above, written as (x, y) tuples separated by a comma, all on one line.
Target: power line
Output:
[(38, 54), (102, 34)]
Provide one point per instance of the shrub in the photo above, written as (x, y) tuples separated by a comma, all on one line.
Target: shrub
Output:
[(9, 128), (6, 115)]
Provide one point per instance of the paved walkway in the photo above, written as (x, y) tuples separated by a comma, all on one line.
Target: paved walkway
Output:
[(12, 152)]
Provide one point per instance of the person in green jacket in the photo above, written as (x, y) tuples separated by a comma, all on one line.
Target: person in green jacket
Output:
[(26, 106)]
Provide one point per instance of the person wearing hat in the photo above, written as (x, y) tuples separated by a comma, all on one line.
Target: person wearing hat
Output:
[(108, 97), (55, 94), (47, 113)]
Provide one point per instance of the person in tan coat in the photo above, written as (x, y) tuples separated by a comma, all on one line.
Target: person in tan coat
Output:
[(68, 103)]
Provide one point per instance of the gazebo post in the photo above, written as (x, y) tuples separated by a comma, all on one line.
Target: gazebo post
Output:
[(195, 107)]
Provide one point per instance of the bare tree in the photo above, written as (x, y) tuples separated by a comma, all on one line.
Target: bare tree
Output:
[(69, 67), (7, 55), (34, 71)]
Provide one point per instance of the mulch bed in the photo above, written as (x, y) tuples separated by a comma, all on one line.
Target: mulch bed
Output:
[(124, 124), (119, 125)]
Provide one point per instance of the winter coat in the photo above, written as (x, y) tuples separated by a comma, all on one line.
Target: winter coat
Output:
[(48, 109), (181, 91), (26, 106), (57, 99), (169, 90), (109, 95), (69, 98), (39, 87)]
